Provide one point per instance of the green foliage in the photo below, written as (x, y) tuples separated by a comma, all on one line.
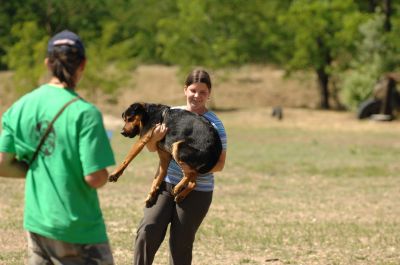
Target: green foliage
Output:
[(392, 61), (140, 21), (204, 33), (367, 65), (319, 28), (323, 36), (297, 35), (107, 69), (26, 54)]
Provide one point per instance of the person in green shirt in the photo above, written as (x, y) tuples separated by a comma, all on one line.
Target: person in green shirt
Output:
[(62, 212)]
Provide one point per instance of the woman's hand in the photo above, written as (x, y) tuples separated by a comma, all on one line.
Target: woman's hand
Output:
[(158, 134)]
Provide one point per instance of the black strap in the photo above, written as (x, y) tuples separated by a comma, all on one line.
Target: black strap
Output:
[(48, 130)]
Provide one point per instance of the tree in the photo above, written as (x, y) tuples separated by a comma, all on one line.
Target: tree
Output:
[(323, 32)]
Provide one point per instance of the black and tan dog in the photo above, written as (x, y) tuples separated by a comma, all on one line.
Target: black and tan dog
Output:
[(191, 140)]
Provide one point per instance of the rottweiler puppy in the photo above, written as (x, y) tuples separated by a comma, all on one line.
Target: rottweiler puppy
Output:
[(191, 140)]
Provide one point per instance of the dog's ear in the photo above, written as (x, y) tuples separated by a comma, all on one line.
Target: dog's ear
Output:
[(141, 109), (133, 110), (137, 108)]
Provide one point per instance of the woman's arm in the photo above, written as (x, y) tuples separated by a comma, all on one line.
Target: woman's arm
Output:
[(220, 164), (10, 167), (159, 133)]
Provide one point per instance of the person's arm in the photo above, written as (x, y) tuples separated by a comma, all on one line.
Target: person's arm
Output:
[(97, 179), (220, 164), (10, 167), (159, 133)]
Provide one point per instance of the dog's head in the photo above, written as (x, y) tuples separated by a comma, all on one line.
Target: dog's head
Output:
[(133, 118)]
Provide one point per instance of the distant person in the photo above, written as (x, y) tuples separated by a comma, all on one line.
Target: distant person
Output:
[(62, 213), (185, 217)]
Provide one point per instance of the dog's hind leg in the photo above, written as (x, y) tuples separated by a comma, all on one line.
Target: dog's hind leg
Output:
[(135, 150), (165, 158), (188, 182), (185, 186)]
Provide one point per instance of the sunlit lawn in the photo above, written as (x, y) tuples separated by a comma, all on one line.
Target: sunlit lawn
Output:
[(315, 188)]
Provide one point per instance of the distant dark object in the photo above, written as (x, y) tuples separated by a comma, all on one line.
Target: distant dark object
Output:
[(277, 112), (368, 108), (385, 100)]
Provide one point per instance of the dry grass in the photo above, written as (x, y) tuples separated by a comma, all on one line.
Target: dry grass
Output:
[(316, 188), (247, 87)]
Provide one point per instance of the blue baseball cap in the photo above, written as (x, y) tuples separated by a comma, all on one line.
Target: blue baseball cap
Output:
[(67, 38)]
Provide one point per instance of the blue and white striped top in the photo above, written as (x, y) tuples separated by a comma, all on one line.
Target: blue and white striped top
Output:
[(205, 182)]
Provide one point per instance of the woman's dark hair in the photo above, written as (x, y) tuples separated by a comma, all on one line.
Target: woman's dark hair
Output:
[(64, 61), (198, 76)]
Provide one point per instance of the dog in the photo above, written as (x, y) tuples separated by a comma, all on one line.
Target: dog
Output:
[(191, 140)]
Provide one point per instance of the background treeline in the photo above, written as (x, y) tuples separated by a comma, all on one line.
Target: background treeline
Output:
[(348, 44)]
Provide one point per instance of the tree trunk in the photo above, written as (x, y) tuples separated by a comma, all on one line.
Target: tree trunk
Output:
[(323, 76), (323, 81), (387, 9), (372, 4), (49, 14)]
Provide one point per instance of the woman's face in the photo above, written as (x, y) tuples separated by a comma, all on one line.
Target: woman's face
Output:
[(197, 95)]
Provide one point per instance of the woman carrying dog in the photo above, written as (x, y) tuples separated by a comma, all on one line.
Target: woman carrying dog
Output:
[(185, 217), (59, 136)]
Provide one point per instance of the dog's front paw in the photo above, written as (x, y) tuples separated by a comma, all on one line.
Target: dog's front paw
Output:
[(114, 176), (150, 200), (179, 198)]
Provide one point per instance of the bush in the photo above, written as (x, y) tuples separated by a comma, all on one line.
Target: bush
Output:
[(368, 64), (26, 56)]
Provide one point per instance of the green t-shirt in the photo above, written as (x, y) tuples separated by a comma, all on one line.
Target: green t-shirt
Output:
[(59, 204)]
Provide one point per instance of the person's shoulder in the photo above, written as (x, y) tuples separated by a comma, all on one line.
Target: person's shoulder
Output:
[(83, 111), (183, 107), (87, 108), (86, 105), (26, 98), (37, 92), (212, 116)]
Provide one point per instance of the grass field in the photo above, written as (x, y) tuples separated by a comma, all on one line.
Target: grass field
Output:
[(319, 187), (315, 188)]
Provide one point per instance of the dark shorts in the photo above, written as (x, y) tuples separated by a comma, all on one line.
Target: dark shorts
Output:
[(43, 250)]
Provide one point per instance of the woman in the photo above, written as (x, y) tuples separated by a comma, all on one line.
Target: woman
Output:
[(62, 214), (184, 217)]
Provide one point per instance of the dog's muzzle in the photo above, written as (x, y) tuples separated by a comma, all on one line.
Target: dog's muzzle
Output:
[(125, 134), (132, 133)]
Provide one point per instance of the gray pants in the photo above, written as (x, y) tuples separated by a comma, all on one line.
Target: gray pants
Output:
[(185, 218), (47, 251)]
